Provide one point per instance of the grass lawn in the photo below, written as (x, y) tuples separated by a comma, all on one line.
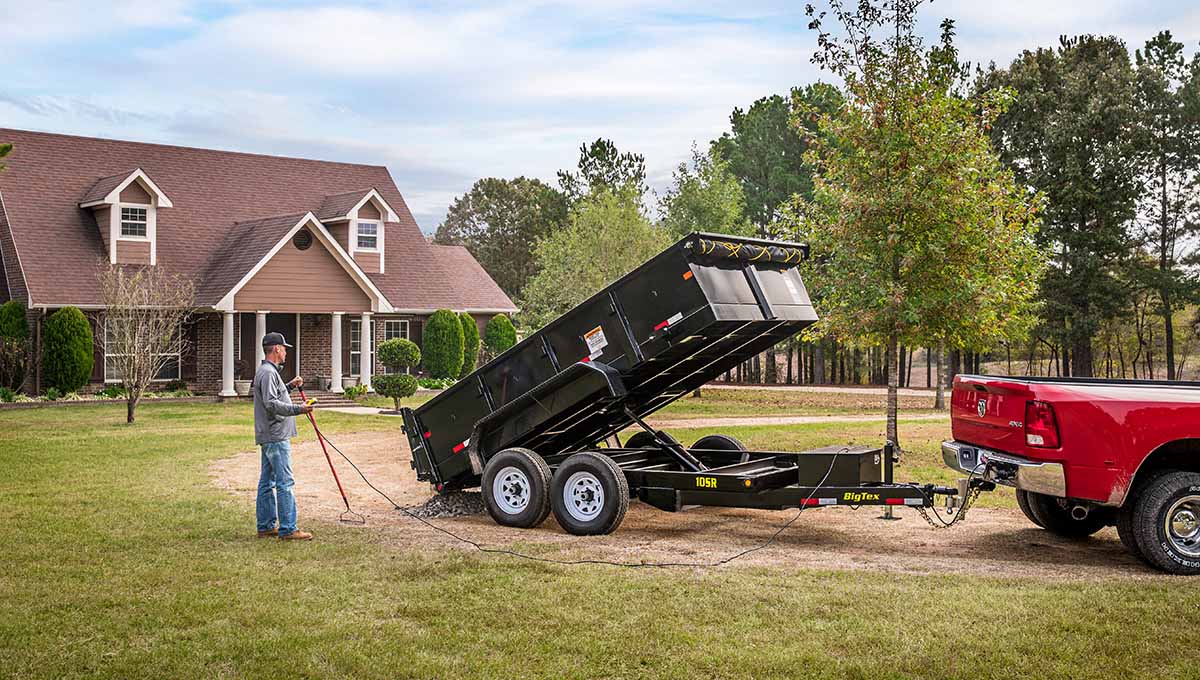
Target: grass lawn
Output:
[(121, 559)]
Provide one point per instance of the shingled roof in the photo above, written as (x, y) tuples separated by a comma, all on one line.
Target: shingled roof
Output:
[(50, 246), (104, 187)]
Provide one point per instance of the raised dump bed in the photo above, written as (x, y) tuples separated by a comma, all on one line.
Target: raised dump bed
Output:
[(538, 425)]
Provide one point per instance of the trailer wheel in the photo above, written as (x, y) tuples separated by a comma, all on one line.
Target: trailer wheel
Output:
[(1054, 515), (722, 442), (589, 494), (644, 440), (1023, 503), (1166, 522), (516, 488)]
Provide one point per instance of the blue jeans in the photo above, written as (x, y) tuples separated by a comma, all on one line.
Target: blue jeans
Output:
[(275, 488)]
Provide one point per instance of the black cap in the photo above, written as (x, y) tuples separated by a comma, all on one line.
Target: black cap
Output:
[(272, 339)]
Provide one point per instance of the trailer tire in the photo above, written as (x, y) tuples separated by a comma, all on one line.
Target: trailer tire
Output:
[(722, 442), (1054, 515), (644, 440), (1166, 522), (516, 488), (589, 494), (1023, 503)]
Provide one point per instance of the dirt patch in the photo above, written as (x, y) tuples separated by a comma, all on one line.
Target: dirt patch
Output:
[(992, 542)]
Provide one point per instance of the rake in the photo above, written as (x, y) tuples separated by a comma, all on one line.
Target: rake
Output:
[(349, 516)]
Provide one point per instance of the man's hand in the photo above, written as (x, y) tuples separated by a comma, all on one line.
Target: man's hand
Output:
[(305, 408), (296, 382)]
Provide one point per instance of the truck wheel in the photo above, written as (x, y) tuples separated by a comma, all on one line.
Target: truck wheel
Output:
[(1166, 522), (722, 442), (589, 494), (516, 488), (1023, 503), (1125, 516), (1054, 515)]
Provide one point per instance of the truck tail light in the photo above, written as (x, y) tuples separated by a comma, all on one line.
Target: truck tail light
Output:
[(1041, 429)]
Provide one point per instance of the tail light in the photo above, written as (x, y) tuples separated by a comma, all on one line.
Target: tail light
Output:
[(1041, 429)]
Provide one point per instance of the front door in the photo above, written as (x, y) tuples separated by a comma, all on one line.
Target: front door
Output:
[(286, 324)]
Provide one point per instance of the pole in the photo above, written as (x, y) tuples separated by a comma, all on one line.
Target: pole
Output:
[(321, 438)]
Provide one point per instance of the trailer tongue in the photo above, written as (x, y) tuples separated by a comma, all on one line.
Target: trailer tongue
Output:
[(537, 427)]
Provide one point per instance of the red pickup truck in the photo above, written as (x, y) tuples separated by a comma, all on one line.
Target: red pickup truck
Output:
[(1086, 453)]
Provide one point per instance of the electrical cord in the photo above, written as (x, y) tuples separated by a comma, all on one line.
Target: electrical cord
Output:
[(550, 560)]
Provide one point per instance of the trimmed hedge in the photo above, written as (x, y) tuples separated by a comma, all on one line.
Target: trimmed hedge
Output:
[(67, 350), (398, 354), (13, 324), (395, 386), (499, 334), (470, 344), (443, 339)]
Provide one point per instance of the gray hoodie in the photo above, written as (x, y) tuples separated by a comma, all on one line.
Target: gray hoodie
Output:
[(274, 412)]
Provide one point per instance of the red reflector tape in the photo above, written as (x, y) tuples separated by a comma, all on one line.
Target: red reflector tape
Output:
[(811, 501), (460, 447), (662, 324), (895, 501), (585, 360), (428, 435)]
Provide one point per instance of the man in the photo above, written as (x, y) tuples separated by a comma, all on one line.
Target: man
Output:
[(274, 426)]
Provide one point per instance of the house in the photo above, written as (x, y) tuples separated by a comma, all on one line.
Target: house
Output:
[(326, 253)]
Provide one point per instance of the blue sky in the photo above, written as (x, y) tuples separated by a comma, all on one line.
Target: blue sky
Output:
[(444, 93)]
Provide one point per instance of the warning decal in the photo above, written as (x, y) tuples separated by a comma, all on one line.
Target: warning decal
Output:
[(596, 342), (792, 289)]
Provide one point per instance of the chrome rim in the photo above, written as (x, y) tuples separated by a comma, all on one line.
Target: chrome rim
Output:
[(1182, 526), (583, 496), (511, 490)]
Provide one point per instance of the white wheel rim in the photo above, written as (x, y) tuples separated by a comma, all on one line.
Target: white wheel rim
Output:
[(511, 490), (583, 496)]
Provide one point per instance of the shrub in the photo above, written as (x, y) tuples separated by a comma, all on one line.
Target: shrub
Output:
[(499, 335), (67, 350), (397, 386), (53, 394), (14, 362), (175, 386), (470, 344), (7, 396), (435, 383), (443, 351), (112, 392), (13, 325), (354, 391), (398, 354)]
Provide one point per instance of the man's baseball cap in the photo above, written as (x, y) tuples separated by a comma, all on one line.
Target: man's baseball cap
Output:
[(272, 339)]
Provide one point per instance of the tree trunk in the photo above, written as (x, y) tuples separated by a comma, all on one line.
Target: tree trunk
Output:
[(790, 354), (1081, 358), (939, 399), (772, 367), (928, 367), (892, 362), (131, 404)]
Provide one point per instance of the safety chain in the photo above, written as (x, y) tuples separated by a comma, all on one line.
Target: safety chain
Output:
[(958, 517)]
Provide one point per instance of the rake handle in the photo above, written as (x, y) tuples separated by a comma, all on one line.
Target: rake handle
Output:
[(321, 438)]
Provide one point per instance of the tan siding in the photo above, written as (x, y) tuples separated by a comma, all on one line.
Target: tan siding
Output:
[(102, 216), (134, 193), (339, 231), (368, 261), (133, 252), (369, 212), (308, 281)]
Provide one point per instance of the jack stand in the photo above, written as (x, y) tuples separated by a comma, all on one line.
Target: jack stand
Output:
[(889, 461), (888, 514)]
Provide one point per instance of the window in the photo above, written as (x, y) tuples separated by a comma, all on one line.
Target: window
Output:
[(368, 235), (395, 328), (356, 346), (133, 222), (112, 369)]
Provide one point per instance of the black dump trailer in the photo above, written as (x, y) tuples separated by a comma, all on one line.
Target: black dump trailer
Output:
[(537, 427)]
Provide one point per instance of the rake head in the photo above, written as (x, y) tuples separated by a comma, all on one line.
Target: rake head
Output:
[(351, 517)]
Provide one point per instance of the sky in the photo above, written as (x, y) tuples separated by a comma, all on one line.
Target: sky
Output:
[(445, 93)]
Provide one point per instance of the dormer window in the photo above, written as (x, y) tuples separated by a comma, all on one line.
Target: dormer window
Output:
[(368, 236), (133, 222)]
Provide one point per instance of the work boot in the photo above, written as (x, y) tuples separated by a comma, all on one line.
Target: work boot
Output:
[(266, 534), (297, 536)]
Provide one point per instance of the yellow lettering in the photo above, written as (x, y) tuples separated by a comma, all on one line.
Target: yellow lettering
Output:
[(706, 482)]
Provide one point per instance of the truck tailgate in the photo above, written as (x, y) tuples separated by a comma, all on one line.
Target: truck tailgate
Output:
[(989, 413)]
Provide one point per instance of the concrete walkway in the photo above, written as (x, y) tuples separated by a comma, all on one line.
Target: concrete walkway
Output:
[(361, 411)]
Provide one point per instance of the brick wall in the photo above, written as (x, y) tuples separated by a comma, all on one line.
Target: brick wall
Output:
[(316, 348), (209, 328)]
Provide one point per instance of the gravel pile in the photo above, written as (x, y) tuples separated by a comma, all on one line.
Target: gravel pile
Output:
[(453, 504)]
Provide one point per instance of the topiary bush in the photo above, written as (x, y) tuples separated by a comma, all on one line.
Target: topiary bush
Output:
[(443, 350), (499, 335), (470, 344), (67, 350), (13, 324), (397, 354)]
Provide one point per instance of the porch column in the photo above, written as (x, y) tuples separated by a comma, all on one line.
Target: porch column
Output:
[(366, 341), (260, 329), (335, 358), (227, 356)]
